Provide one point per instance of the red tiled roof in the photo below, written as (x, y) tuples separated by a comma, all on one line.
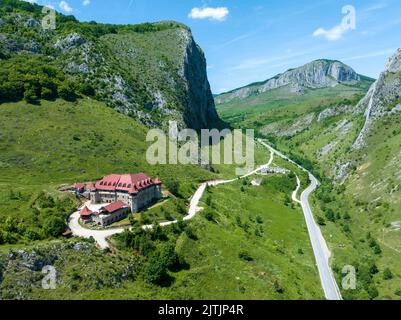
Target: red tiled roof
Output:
[(131, 183), (91, 186), (78, 186), (85, 212), (113, 207)]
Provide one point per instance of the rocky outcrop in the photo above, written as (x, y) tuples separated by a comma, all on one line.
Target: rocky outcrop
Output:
[(10, 44), (200, 111), (153, 72), (381, 97), (284, 130), (394, 63), (315, 75), (336, 111), (71, 41)]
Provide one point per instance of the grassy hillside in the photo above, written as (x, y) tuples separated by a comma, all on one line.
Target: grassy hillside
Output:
[(153, 72), (54, 143), (257, 250), (368, 234), (282, 107), (261, 245), (359, 217)]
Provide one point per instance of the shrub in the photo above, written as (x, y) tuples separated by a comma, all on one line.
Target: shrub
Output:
[(330, 215), (209, 215), (373, 292), (190, 233), (31, 95), (155, 271), (45, 201), (278, 287), (67, 92), (347, 216), (160, 261), (87, 90), (53, 226), (320, 221), (174, 188), (32, 234), (346, 228), (243, 255), (387, 274), (47, 94)]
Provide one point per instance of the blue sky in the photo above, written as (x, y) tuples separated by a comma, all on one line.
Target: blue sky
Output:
[(252, 40)]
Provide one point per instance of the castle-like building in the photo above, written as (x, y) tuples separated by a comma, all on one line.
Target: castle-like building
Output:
[(137, 191)]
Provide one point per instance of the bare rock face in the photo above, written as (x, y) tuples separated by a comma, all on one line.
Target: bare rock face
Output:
[(199, 111), (315, 75), (71, 41), (31, 23), (394, 63), (382, 94), (336, 111), (153, 73)]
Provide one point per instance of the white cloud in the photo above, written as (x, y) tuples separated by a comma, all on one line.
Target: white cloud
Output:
[(86, 2), (336, 33), (332, 34), (216, 14), (65, 6)]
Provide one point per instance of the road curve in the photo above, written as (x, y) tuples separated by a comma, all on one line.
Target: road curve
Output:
[(320, 249), (101, 236)]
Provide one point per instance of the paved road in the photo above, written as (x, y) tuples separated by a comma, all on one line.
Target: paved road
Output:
[(101, 236), (320, 249), (322, 252)]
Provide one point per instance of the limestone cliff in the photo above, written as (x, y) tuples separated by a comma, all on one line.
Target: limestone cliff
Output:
[(314, 75), (383, 96), (199, 109), (153, 72)]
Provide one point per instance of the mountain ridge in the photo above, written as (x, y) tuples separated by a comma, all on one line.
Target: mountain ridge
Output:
[(385, 91), (153, 72), (321, 73)]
